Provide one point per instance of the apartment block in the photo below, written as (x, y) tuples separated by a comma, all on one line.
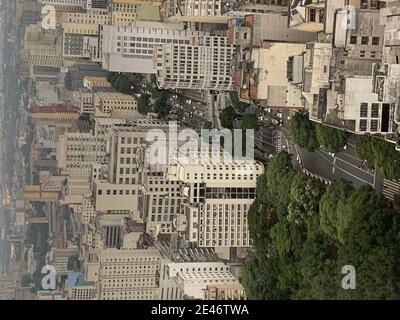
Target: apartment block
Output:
[(131, 49), (188, 280), (203, 64), (218, 199), (131, 274), (80, 40), (106, 102), (80, 151)]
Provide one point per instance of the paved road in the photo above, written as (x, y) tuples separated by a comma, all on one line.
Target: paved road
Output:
[(344, 165)]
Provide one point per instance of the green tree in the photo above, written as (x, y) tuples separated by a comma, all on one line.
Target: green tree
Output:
[(227, 117), (381, 154), (330, 138), (335, 194), (303, 131), (249, 122), (280, 175), (144, 105), (303, 234)]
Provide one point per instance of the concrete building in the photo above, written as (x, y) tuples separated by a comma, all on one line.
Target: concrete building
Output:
[(129, 274), (77, 72), (218, 199), (270, 82), (224, 292), (131, 49), (53, 115), (160, 202), (77, 3), (122, 190), (106, 102), (80, 151), (78, 288), (203, 64), (188, 280), (97, 17), (307, 15), (80, 40), (59, 258)]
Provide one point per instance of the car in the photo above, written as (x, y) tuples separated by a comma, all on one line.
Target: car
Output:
[(345, 147), (274, 121), (279, 115)]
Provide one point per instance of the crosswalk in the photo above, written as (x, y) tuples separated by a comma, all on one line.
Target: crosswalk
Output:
[(279, 137), (390, 189)]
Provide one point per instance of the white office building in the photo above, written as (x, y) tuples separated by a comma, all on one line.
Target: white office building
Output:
[(131, 48), (204, 64)]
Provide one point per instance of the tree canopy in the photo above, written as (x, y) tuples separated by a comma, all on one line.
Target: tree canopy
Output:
[(330, 138), (381, 154), (144, 105), (304, 233), (310, 136), (303, 131), (227, 117)]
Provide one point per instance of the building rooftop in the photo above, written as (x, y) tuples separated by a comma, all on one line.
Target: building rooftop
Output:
[(148, 12)]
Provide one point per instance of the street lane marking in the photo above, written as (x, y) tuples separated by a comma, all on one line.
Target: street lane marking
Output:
[(352, 175), (355, 166)]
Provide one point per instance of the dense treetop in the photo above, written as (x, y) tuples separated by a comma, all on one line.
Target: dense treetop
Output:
[(304, 233)]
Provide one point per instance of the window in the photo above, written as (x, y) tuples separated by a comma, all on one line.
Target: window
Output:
[(364, 40), (364, 110), (363, 125), (375, 110), (353, 40), (312, 13), (375, 41), (362, 53), (374, 125)]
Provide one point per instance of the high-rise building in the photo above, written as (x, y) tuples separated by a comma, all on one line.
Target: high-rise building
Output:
[(106, 102), (203, 63), (219, 197), (80, 151), (126, 274), (80, 40), (187, 280), (76, 74), (131, 49)]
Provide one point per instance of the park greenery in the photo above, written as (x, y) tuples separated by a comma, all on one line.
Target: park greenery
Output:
[(311, 136), (304, 233), (227, 117), (123, 82), (380, 154)]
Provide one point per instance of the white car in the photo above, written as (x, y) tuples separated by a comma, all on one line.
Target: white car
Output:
[(279, 115)]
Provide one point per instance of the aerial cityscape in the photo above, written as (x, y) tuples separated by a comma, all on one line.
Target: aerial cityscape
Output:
[(199, 150)]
